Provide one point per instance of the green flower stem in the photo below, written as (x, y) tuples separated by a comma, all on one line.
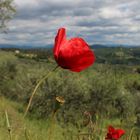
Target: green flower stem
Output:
[(35, 89), (131, 133), (52, 125), (8, 124)]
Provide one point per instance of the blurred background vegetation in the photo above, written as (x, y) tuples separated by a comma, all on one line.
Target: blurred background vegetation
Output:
[(106, 93)]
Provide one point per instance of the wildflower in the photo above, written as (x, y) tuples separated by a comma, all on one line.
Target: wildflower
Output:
[(73, 54), (114, 134)]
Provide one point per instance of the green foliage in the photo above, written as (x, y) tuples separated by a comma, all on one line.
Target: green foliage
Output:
[(109, 92), (118, 55), (101, 89), (7, 11)]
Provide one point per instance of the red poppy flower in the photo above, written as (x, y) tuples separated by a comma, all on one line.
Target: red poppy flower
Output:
[(73, 54), (114, 134)]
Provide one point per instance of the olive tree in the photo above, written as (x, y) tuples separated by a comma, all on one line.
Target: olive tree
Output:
[(7, 10)]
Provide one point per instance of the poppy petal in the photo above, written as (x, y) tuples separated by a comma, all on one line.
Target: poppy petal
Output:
[(60, 37), (120, 132), (114, 134), (73, 54), (111, 129), (76, 55)]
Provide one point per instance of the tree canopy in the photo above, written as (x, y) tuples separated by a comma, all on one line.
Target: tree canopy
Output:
[(7, 10)]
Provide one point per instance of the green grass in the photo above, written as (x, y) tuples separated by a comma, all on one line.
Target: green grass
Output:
[(23, 127), (6, 56), (33, 129), (94, 88)]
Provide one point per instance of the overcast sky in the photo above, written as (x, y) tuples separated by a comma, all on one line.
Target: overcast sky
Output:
[(97, 21)]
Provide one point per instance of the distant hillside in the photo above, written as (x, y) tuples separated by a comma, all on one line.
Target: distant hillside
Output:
[(118, 55), (129, 55), (94, 46), (7, 46)]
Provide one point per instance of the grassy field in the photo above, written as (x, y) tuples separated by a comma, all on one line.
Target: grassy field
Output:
[(109, 93)]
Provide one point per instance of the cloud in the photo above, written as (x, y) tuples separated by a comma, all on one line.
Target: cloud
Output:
[(112, 12), (97, 21)]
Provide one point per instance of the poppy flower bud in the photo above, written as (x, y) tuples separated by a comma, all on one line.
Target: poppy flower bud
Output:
[(59, 101)]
